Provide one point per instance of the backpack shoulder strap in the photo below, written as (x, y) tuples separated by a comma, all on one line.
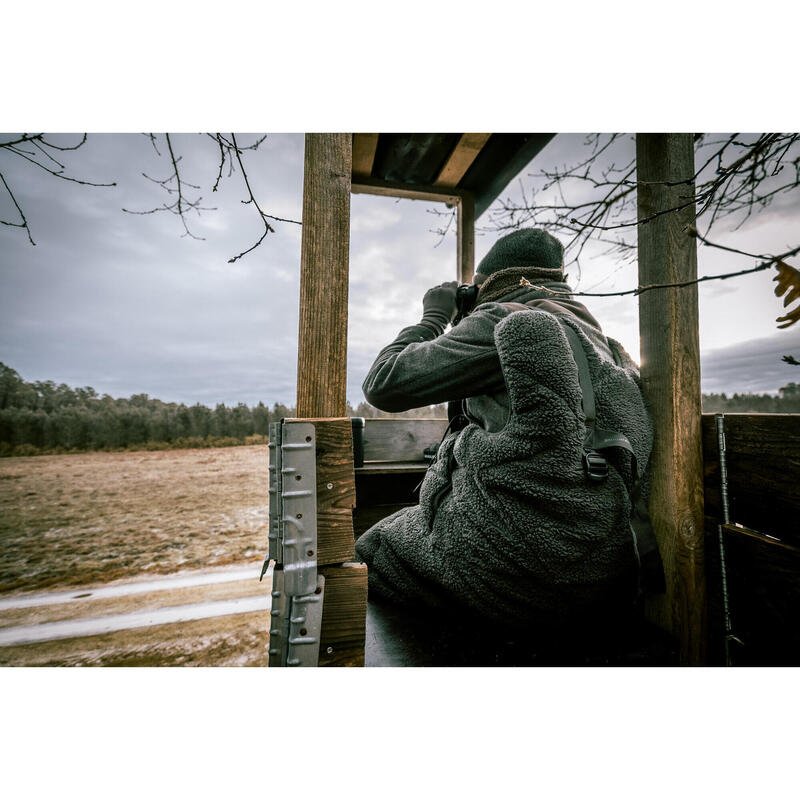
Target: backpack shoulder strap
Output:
[(596, 467)]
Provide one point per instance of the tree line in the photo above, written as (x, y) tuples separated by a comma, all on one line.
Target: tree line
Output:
[(41, 417)]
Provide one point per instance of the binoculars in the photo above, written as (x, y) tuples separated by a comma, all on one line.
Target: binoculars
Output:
[(466, 295)]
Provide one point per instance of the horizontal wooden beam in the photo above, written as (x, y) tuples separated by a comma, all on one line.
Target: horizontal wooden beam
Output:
[(364, 147), (431, 194), (460, 160)]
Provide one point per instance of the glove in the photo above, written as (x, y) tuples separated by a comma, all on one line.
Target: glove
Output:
[(439, 305)]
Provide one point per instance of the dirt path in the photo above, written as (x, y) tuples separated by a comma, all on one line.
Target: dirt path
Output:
[(217, 618), (126, 540)]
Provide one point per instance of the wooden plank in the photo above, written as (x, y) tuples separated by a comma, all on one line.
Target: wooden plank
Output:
[(670, 355), (334, 446), (391, 467), (322, 345), (400, 439), (344, 616), (431, 194), (763, 455), (364, 146), (460, 160), (466, 239)]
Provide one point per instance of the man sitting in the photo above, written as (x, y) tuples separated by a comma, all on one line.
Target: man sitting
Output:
[(526, 512)]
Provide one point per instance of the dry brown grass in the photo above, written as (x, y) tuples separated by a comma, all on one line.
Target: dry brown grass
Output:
[(95, 517)]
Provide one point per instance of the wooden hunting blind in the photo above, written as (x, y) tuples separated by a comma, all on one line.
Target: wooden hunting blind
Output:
[(322, 494)]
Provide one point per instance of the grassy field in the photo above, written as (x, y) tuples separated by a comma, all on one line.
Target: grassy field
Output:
[(76, 519)]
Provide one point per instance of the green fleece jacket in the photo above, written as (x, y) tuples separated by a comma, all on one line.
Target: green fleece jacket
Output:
[(424, 365), (508, 525)]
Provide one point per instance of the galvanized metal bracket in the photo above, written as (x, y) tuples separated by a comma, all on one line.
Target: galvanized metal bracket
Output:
[(297, 529), (305, 626), (275, 550), (297, 590), (279, 621), (296, 624)]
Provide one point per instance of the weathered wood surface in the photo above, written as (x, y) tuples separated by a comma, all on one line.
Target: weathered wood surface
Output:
[(430, 194), (364, 145), (460, 160), (763, 455), (334, 448), (670, 368), (344, 616), (322, 345), (466, 239), (400, 439), (394, 467)]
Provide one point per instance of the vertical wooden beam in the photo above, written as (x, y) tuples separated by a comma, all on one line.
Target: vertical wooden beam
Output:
[(670, 356), (322, 345), (466, 238)]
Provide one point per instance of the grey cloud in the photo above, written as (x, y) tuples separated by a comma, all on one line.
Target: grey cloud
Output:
[(755, 366)]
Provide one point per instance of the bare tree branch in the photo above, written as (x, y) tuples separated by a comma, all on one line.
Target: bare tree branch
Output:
[(737, 176), (41, 156), (24, 223), (173, 184), (264, 217)]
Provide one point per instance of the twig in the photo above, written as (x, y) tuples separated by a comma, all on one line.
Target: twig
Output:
[(264, 217), (24, 223)]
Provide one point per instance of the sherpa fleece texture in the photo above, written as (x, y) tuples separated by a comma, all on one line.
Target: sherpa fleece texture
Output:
[(520, 532)]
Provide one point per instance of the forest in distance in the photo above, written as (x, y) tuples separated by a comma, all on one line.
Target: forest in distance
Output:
[(40, 417)]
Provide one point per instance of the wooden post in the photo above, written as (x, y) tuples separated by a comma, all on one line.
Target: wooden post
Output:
[(324, 271), (670, 356), (466, 238)]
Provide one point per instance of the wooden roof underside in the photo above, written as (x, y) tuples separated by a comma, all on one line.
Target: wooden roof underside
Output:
[(480, 163)]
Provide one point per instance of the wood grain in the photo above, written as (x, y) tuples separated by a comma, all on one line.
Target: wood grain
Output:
[(670, 356), (466, 238), (364, 146), (431, 194), (400, 439), (334, 445), (460, 160), (344, 616), (322, 345)]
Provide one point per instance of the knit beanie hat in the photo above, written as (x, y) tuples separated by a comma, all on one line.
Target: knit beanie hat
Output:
[(528, 247)]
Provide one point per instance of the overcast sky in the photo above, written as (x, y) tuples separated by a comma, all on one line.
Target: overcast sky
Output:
[(123, 303)]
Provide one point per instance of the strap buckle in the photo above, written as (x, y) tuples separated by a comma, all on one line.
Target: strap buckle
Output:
[(595, 465)]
